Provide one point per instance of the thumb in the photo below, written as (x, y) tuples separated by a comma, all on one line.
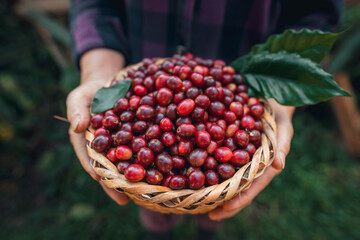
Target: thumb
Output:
[(284, 135), (78, 108)]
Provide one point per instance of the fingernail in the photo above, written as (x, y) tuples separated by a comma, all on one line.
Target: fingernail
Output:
[(75, 122), (282, 159)]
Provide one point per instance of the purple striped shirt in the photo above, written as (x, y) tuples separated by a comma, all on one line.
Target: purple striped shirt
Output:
[(224, 29)]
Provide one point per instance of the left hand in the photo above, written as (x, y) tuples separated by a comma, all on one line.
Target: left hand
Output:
[(283, 117)]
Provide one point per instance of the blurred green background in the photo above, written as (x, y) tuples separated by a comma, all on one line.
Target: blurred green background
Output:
[(45, 194)]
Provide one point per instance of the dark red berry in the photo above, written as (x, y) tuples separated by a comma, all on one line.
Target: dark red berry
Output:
[(96, 120), (156, 146), (145, 157), (161, 80), (179, 162), (185, 72), (101, 131), (101, 143), (197, 157), (237, 108), (127, 116), (122, 137), (257, 110), (196, 179), (254, 136), (202, 101), (134, 102), (247, 122), (110, 122), (186, 130), (171, 112), (177, 182), (148, 100), (229, 117), (121, 105), (217, 132), (153, 176), (145, 112), (152, 132), (212, 93), (250, 148), (225, 170), (137, 143), (211, 178), (230, 143), (164, 96), (198, 114), (164, 163), (192, 92), (239, 158), (140, 126), (231, 130), (174, 83), (212, 147), (202, 139), (242, 138), (122, 165), (217, 108), (185, 147), (178, 97), (210, 163)]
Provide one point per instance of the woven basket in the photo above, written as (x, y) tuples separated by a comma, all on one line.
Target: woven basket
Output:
[(187, 201)]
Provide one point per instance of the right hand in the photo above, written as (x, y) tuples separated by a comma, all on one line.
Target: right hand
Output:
[(97, 67)]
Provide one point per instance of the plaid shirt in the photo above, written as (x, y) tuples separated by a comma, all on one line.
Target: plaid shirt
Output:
[(224, 29)]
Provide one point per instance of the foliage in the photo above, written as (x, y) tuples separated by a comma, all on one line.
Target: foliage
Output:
[(286, 68)]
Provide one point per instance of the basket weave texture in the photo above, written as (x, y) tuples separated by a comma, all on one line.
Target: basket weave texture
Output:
[(187, 201)]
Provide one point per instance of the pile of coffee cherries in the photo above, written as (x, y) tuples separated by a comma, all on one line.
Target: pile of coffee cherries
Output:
[(186, 122)]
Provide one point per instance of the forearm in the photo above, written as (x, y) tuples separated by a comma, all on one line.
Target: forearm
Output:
[(98, 65)]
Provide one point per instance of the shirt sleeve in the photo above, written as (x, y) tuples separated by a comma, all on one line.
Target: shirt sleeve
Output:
[(96, 24), (312, 14)]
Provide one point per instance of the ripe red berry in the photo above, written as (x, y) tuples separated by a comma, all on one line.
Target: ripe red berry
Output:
[(123, 153), (152, 132), (202, 139), (140, 126), (196, 179), (164, 96), (137, 143), (178, 162), (134, 172), (211, 178), (202, 101), (192, 92), (210, 163), (241, 138), (174, 83), (254, 136), (197, 79), (145, 157), (217, 108), (178, 97), (122, 165), (161, 80), (229, 117), (185, 147), (257, 110), (250, 148), (230, 143), (217, 132), (122, 137), (185, 72), (231, 130), (197, 157), (168, 138), (153, 176), (148, 100), (247, 122), (127, 116), (121, 105), (177, 182), (110, 122), (166, 124), (164, 163), (145, 112), (237, 108), (134, 102), (253, 101), (212, 93), (225, 170), (239, 158), (186, 130), (111, 155), (140, 90), (223, 154), (101, 143), (156, 146), (101, 131), (185, 107)]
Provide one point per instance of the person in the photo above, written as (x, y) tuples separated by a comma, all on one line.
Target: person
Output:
[(108, 35)]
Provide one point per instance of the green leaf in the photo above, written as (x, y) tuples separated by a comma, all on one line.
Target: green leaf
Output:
[(313, 44), (106, 97), (289, 79)]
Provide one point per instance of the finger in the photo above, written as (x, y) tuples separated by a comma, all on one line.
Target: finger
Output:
[(119, 198), (244, 198), (78, 109), (284, 135), (79, 142)]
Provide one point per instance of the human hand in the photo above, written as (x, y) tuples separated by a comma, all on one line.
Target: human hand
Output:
[(283, 117), (97, 66)]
